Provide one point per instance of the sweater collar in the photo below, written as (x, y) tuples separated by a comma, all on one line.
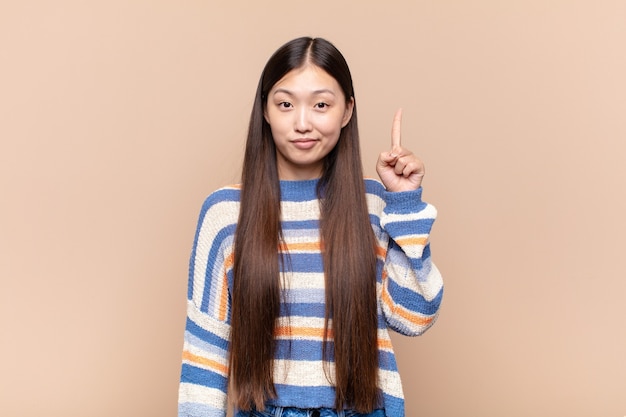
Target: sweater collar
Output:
[(298, 189)]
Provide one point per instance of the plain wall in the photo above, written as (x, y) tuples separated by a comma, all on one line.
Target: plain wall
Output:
[(118, 117)]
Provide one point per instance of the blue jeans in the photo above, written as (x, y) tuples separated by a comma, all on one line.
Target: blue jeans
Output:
[(272, 411)]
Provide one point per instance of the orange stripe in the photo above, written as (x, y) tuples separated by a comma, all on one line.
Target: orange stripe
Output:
[(314, 332), (302, 246), (409, 241), (302, 331), (205, 362), (384, 344), (317, 333), (223, 299), (229, 261), (404, 313), (228, 264), (317, 246)]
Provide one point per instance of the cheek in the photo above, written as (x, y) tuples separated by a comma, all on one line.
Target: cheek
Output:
[(278, 128), (331, 126)]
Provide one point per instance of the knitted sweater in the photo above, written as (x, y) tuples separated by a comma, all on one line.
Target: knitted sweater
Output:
[(409, 292)]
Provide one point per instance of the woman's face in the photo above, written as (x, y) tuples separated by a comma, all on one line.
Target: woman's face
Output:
[(306, 111)]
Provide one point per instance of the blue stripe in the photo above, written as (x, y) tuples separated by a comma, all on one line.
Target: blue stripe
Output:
[(300, 350), (302, 310), (394, 406), (205, 335), (305, 262), (375, 222), (410, 227), (412, 300), (298, 190), (194, 375), (224, 194), (312, 225), (404, 202), (374, 187), (387, 361)]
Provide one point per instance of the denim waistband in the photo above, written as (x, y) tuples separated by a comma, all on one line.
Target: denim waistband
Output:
[(276, 411)]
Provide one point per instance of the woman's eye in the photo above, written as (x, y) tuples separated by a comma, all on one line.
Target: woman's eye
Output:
[(284, 104), (321, 105)]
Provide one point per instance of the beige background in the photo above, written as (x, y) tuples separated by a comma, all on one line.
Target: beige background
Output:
[(118, 117)]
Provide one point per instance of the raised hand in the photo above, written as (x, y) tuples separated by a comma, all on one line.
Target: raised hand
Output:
[(399, 169)]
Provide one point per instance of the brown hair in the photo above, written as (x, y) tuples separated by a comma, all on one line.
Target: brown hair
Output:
[(348, 241)]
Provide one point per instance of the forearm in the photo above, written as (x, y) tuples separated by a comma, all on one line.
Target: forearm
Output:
[(204, 373), (412, 285)]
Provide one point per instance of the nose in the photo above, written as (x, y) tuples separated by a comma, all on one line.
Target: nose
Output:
[(303, 120)]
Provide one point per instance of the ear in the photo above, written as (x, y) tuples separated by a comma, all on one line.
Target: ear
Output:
[(265, 114), (347, 115)]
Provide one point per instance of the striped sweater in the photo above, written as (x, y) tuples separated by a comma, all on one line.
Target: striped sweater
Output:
[(409, 291)]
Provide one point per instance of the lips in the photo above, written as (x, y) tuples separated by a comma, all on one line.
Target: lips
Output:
[(304, 143)]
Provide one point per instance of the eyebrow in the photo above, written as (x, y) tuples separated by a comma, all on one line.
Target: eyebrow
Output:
[(316, 92)]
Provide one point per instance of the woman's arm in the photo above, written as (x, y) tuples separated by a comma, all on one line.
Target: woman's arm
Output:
[(204, 374), (412, 287)]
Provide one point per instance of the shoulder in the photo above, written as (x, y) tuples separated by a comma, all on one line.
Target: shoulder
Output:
[(222, 205), (227, 194)]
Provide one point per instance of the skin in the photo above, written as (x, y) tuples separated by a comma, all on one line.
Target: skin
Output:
[(399, 169), (306, 111)]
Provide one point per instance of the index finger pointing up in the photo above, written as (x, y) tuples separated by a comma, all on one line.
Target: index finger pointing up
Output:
[(396, 128)]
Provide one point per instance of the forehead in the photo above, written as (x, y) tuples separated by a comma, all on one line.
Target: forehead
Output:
[(307, 79)]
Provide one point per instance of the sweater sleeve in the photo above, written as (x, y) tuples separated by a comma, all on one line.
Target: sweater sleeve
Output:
[(204, 375), (412, 287)]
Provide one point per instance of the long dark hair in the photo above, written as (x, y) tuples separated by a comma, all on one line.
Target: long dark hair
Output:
[(349, 250)]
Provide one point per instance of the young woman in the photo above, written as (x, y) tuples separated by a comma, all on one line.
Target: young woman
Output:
[(297, 274)]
